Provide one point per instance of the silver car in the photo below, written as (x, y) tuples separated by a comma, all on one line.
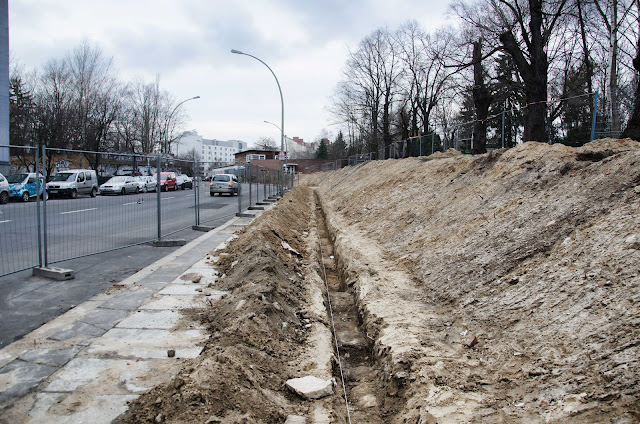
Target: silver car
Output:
[(120, 185), (224, 183), (146, 183)]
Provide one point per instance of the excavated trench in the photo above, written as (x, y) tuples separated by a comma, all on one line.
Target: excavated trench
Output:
[(356, 365)]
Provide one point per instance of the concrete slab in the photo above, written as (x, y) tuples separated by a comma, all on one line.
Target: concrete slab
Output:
[(147, 343), (177, 302), (163, 319), (128, 300), (101, 375), (54, 357), (105, 318), (79, 330), (55, 407), (18, 378), (181, 289)]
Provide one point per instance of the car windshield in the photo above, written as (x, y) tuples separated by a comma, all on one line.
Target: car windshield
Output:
[(64, 176), (221, 178), (116, 180), (16, 178)]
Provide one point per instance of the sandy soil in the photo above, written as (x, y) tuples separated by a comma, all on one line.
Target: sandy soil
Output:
[(496, 288)]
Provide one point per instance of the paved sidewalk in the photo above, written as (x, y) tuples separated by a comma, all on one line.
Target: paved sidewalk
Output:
[(85, 365)]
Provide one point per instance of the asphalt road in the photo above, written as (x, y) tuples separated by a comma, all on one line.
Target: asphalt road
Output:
[(28, 302)]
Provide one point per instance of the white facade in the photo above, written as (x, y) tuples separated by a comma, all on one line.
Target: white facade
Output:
[(209, 151)]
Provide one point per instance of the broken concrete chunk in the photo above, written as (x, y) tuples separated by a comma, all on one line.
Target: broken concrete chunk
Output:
[(311, 387), (291, 249), (295, 419)]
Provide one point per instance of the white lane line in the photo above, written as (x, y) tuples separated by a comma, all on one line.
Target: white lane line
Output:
[(131, 203), (167, 198), (2, 222), (81, 210)]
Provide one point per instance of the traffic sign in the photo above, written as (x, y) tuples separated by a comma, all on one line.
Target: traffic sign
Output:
[(281, 155)]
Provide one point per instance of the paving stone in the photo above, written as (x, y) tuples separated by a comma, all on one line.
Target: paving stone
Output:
[(147, 343), (100, 409), (18, 378), (176, 302), (104, 318), (79, 329), (55, 357), (129, 300), (181, 289), (100, 373), (163, 319)]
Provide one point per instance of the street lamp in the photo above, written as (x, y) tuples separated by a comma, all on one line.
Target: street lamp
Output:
[(281, 101), (166, 132), (286, 143)]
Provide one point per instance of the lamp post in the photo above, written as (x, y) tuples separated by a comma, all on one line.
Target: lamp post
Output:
[(166, 130), (282, 103), (286, 143)]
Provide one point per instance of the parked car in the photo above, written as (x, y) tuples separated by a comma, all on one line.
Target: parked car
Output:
[(120, 184), (224, 183), (146, 183), (167, 181), (24, 186), (184, 181), (4, 190), (73, 182)]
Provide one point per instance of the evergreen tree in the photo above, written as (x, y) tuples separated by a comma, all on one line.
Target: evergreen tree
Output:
[(323, 149)]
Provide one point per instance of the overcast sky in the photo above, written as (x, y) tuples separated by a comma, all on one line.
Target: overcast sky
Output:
[(188, 42)]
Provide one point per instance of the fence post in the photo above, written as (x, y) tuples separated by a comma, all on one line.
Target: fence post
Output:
[(38, 187), (264, 182), (250, 188), (44, 211), (158, 190), (593, 120), (503, 129), (196, 188), (239, 196)]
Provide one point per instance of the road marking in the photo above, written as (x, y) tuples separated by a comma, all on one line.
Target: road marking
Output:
[(81, 210), (167, 198), (131, 203), (2, 222)]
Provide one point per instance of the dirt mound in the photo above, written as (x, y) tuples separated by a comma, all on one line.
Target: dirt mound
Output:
[(526, 262), (495, 288), (258, 331)]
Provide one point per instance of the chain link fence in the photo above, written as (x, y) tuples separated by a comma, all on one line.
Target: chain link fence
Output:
[(60, 204)]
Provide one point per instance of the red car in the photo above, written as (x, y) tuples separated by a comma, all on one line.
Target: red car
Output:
[(167, 181)]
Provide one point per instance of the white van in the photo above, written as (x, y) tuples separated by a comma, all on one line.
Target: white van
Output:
[(72, 182), (4, 190)]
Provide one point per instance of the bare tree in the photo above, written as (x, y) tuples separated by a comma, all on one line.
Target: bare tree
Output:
[(523, 29)]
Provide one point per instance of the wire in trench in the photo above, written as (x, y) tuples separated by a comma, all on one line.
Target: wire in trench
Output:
[(333, 327)]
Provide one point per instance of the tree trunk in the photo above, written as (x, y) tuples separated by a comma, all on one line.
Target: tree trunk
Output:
[(633, 127), (533, 73), (481, 102)]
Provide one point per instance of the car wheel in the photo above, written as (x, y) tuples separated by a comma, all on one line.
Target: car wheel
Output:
[(123, 191), (94, 192), (73, 194), (212, 194), (25, 196), (4, 197)]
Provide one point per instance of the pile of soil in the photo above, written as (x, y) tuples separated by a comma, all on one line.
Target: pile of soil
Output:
[(520, 269), (258, 331), (494, 288)]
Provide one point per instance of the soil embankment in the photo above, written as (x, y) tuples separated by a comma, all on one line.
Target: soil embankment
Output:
[(494, 288)]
